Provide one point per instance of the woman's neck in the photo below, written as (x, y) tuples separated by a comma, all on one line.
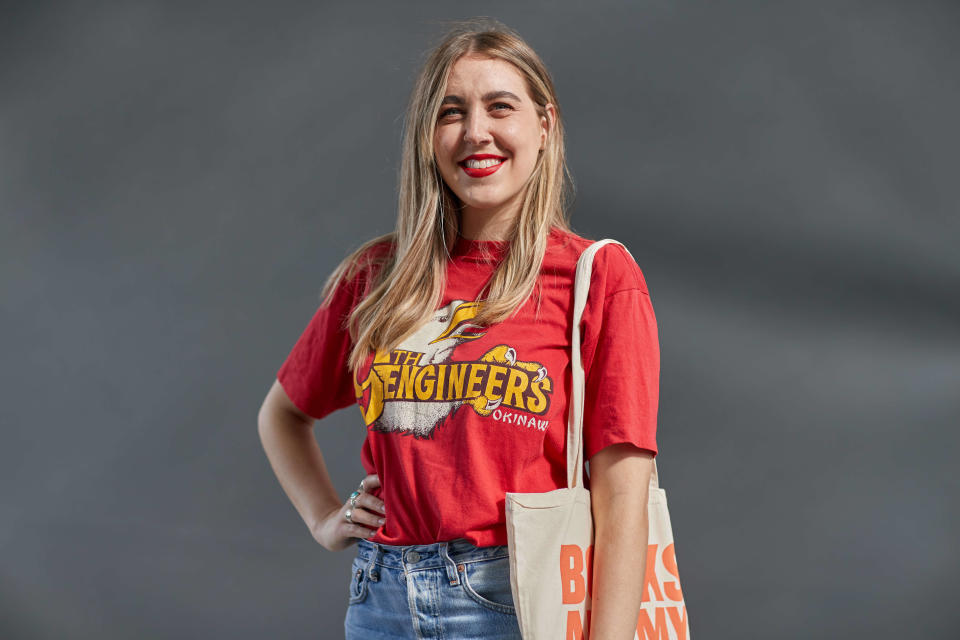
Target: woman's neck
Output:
[(483, 225)]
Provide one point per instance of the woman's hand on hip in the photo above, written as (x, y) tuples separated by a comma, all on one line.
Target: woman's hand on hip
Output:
[(335, 533)]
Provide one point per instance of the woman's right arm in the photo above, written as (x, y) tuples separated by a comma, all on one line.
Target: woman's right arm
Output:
[(286, 433)]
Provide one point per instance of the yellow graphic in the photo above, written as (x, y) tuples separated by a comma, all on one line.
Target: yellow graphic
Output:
[(415, 386)]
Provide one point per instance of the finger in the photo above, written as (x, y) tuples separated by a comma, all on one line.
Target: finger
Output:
[(371, 482), (357, 531), (363, 516), (371, 502)]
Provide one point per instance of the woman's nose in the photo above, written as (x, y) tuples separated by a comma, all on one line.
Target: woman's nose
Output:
[(476, 131)]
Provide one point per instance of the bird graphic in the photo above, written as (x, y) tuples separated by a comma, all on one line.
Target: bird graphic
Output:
[(408, 389)]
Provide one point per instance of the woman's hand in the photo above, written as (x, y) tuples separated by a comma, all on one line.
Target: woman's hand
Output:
[(334, 533)]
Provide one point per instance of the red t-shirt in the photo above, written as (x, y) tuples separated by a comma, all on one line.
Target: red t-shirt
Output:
[(458, 415)]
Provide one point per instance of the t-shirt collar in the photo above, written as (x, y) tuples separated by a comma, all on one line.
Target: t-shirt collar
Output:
[(479, 250)]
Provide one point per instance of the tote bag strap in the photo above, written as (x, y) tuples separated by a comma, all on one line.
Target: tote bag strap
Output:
[(581, 287)]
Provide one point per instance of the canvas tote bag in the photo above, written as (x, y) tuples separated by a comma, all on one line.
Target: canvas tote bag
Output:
[(550, 535)]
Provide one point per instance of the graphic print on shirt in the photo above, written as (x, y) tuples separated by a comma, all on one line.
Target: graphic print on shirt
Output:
[(415, 387)]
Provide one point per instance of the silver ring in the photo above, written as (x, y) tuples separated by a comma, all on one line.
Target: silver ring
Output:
[(349, 516), (353, 499), (361, 489)]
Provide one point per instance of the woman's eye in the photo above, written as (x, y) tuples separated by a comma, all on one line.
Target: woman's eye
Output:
[(499, 106)]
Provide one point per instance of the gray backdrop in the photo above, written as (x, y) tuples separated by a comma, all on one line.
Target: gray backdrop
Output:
[(177, 180)]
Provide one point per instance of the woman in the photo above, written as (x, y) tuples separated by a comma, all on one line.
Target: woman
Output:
[(452, 334)]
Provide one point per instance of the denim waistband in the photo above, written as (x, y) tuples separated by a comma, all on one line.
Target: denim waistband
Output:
[(427, 556)]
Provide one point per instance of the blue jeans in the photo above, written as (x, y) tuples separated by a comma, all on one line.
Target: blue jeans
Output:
[(450, 590)]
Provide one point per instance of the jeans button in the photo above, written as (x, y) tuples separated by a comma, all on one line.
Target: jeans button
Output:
[(413, 556)]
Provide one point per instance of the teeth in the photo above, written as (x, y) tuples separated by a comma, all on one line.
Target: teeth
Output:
[(482, 164)]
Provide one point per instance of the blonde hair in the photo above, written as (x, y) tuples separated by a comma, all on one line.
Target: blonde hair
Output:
[(409, 282)]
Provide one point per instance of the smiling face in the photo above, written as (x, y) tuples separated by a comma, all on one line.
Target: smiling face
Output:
[(487, 140)]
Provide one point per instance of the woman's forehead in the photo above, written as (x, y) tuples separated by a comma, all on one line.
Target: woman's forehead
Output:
[(474, 75)]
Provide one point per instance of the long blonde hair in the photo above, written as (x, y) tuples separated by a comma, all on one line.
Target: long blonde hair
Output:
[(409, 281)]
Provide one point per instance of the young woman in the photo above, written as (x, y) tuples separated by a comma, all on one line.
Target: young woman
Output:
[(452, 334)]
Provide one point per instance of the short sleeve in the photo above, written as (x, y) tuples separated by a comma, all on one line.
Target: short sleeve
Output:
[(621, 356), (315, 374)]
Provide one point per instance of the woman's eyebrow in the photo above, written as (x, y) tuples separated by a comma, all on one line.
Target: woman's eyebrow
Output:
[(487, 97)]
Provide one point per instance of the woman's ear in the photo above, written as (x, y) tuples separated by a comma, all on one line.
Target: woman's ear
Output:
[(546, 124)]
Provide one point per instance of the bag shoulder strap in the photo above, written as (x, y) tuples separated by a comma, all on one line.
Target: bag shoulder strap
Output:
[(581, 287)]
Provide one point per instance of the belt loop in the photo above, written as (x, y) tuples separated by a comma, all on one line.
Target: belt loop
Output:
[(452, 574), (372, 572)]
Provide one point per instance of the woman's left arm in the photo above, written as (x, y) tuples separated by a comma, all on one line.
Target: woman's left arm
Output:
[(619, 485)]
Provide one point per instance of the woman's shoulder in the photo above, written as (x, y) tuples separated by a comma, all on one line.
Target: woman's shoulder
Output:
[(359, 270), (379, 248), (371, 256), (568, 240), (613, 262)]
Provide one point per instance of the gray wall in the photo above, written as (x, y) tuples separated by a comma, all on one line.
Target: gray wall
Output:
[(177, 180)]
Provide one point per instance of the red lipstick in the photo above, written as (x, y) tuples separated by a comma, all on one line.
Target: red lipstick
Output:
[(478, 172)]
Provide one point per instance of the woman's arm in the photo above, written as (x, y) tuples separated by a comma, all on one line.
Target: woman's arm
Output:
[(619, 485), (287, 437)]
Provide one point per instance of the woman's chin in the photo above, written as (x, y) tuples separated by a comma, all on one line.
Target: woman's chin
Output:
[(481, 204)]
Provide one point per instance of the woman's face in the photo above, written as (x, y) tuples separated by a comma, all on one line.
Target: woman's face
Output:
[(488, 137)]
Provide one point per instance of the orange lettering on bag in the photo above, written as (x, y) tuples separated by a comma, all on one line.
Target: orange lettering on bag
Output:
[(574, 626), (672, 589), (647, 630), (589, 575), (650, 575), (571, 574), (678, 616)]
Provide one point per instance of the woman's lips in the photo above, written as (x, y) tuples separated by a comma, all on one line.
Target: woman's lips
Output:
[(482, 173)]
